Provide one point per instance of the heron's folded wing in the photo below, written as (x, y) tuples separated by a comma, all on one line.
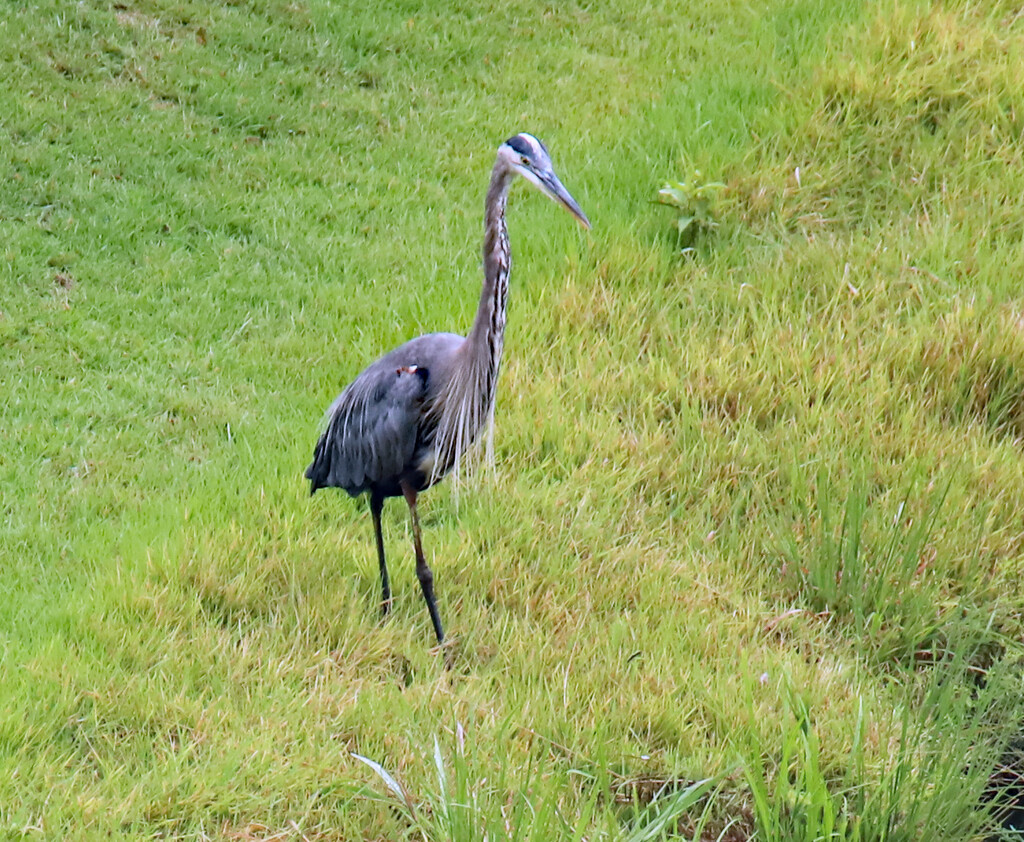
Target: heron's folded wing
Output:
[(371, 430)]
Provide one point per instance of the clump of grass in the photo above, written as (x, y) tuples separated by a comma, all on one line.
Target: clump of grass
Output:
[(934, 779), (876, 570), (971, 370), (475, 798)]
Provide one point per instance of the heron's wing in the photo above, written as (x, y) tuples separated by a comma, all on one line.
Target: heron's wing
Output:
[(371, 429)]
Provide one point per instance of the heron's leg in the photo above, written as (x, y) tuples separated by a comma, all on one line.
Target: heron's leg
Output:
[(376, 506), (423, 572)]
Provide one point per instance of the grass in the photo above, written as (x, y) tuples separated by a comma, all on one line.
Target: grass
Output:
[(756, 514)]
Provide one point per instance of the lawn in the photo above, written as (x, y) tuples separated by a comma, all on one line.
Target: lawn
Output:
[(756, 510)]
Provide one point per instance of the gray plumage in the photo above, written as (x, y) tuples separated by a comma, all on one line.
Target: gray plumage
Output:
[(375, 433), (408, 419)]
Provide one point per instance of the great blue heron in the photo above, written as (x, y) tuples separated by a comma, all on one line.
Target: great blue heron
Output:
[(405, 422)]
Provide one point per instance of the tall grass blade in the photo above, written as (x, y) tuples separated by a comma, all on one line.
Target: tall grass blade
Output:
[(385, 776)]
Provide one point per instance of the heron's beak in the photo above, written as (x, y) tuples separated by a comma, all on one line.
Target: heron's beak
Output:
[(550, 184)]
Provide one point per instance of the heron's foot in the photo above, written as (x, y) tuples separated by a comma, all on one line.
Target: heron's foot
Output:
[(447, 647), (385, 608)]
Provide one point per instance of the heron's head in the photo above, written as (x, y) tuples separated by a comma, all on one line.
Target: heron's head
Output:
[(527, 156)]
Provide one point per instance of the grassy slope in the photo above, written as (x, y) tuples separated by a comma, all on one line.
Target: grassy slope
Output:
[(215, 215)]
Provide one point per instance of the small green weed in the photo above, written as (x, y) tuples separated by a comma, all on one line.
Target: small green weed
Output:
[(694, 201)]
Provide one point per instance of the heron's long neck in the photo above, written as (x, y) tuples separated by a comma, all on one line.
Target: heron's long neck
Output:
[(486, 338), (464, 402)]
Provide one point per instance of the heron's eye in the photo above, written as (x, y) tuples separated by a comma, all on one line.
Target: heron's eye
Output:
[(524, 161)]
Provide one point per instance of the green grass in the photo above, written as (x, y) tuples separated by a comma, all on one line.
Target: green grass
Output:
[(756, 515)]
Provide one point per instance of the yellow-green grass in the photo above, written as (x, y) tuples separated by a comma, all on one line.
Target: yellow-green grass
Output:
[(214, 215)]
